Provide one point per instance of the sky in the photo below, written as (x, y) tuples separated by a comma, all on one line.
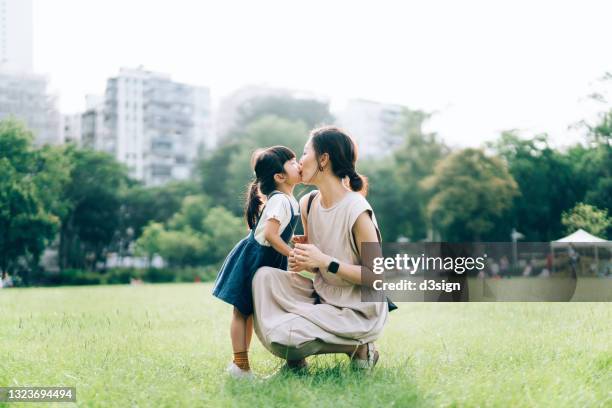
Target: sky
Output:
[(480, 66)]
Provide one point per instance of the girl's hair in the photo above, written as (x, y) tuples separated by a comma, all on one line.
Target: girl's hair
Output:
[(267, 163), (342, 152)]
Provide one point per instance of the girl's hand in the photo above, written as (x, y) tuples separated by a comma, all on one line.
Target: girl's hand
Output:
[(300, 239), (308, 256)]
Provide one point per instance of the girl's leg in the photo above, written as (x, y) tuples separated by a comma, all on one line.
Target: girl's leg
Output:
[(238, 333), (249, 331)]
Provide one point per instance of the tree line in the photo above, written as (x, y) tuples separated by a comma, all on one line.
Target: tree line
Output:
[(82, 202)]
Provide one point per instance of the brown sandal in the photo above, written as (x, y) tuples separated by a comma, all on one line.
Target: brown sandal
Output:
[(368, 363)]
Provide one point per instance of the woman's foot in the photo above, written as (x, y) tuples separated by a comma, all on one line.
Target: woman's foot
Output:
[(237, 373), (359, 352), (365, 357), (296, 366)]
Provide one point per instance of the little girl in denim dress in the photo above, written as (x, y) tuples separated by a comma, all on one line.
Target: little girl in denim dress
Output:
[(277, 173)]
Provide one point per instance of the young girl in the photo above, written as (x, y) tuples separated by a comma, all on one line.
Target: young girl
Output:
[(277, 173)]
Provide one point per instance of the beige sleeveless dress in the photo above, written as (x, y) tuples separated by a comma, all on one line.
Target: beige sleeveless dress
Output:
[(286, 318)]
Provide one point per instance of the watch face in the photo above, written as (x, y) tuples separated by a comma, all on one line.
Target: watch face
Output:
[(333, 267)]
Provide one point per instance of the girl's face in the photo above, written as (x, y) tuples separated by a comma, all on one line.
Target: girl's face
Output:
[(308, 164), (292, 170)]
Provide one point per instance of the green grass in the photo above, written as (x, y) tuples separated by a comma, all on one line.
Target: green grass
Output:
[(168, 345)]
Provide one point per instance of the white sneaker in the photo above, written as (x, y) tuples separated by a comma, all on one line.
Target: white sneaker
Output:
[(237, 373)]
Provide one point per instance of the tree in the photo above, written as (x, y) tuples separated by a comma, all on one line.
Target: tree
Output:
[(586, 217), (224, 231), (196, 235), (93, 197), (395, 182), (26, 226), (385, 194), (470, 192), (194, 210), (548, 185), (227, 172), (311, 112), (416, 160), (148, 244), (141, 205), (182, 248)]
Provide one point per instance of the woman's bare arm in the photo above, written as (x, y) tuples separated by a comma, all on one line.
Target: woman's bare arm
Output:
[(311, 257)]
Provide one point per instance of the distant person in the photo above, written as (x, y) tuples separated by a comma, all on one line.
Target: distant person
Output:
[(528, 268), (574, 259), (549, 261), (504, 266), (277, 172), (493, 268)]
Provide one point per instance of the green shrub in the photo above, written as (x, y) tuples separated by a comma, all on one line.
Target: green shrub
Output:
[(79, 277)]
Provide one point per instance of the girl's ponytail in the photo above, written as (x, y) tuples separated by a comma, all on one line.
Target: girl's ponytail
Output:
[(253, 203)]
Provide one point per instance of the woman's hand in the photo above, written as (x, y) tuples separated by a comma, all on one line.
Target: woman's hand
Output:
[(308, 256)]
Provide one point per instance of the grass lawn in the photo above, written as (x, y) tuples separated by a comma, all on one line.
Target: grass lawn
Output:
[(168, 345)]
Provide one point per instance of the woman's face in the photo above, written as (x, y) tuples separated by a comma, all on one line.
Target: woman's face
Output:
[(308, 164)]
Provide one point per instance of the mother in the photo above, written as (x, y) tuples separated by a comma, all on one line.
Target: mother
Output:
[(296, 317)]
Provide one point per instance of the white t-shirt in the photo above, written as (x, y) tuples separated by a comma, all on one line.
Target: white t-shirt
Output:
[(276, 207)]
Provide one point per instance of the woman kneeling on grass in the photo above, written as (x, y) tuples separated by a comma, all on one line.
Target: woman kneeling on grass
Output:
[(296, 317)]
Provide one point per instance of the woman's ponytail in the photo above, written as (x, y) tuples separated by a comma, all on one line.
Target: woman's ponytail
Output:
[(253, 203), (358, 182), (342, 152)]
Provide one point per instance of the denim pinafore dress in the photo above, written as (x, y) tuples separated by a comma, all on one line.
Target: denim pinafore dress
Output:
[(233, 283)]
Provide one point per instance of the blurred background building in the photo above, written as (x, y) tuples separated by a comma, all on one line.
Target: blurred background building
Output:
[(71, 128), (23, 94), (373, 125), (156, 126), (92, 123), (237, 105), (16, 35)]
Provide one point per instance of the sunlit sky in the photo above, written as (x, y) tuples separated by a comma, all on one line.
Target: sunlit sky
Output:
[(481, 66)]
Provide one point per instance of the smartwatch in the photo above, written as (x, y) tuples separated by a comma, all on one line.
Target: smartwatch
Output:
[(333, 266)]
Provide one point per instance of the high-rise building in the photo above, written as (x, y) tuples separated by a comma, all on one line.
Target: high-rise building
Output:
[(372, 125), (92, 123), (24, 96), (71, 128), (154, 125), (16, 35)]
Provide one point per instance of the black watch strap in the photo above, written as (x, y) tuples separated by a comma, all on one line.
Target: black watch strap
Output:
[(333, 266)]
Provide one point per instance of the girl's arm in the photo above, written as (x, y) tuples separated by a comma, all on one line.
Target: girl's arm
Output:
[(303, 239), (272, 235), (309, 256)]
